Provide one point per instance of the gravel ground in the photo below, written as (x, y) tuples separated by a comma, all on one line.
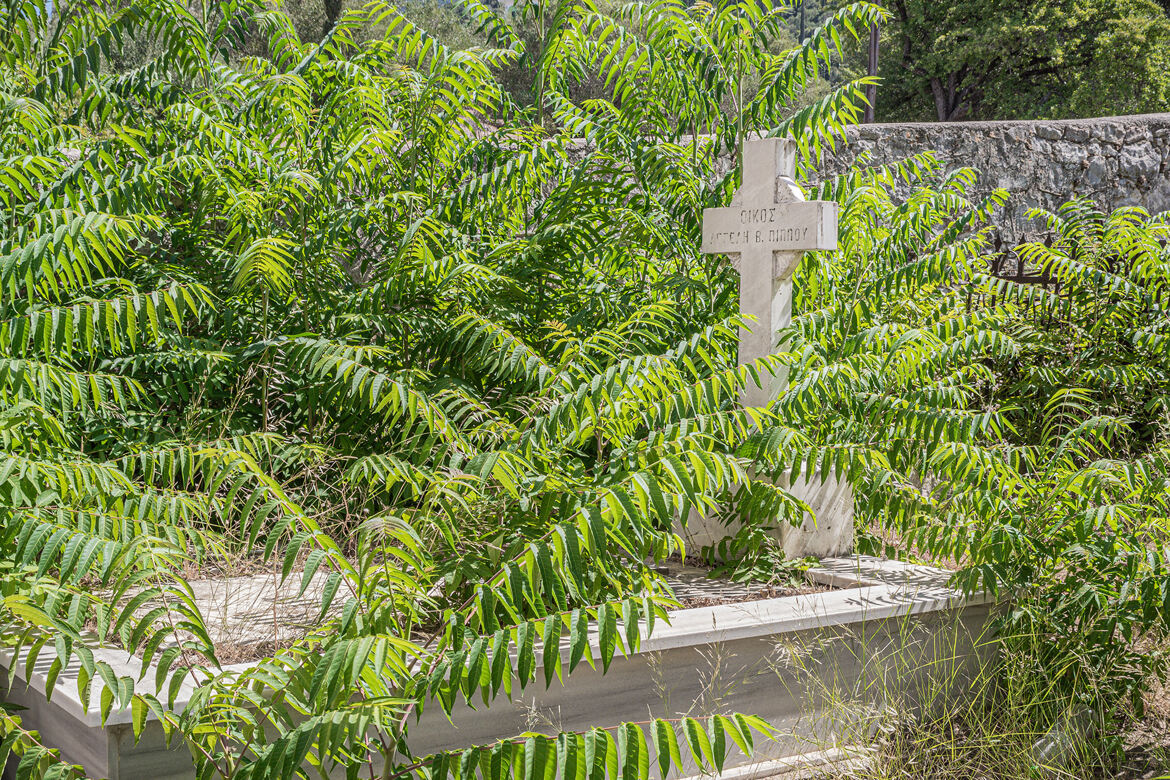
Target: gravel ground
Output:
[(1147, 741)]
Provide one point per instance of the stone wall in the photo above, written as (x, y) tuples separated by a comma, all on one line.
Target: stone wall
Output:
[(1116, 161)]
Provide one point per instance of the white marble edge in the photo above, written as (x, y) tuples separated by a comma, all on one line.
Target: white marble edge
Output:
[(877, 590), (872, 597), (64, 692), (804, 765)]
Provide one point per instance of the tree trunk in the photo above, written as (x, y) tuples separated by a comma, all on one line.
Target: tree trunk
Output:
[(871, 89), (333, 10), (948, 98)]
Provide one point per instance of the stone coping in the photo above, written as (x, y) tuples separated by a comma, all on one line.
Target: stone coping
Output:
[(887, 589), (803, 766), (986, 124), (877, 590)]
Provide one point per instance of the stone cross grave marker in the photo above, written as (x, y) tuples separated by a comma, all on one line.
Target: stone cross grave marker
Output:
[(769, 225)]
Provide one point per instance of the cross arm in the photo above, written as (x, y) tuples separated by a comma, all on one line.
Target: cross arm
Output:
[(795, 226)]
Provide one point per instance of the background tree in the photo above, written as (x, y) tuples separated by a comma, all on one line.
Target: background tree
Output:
[(333, 10), (948, 60)]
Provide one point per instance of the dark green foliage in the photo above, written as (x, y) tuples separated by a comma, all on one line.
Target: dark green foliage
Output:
[(947, 60), (1101, 331), (1087, 406)]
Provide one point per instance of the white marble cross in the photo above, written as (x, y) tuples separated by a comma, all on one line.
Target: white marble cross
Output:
[(769, 225)]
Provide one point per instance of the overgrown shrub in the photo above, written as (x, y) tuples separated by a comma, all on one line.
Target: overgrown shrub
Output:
[(345, 307)]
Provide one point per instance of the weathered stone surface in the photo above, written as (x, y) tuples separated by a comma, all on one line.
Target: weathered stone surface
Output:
[(1110, 132), (1094, 174), (825, 533), (829, 530), (797, 663), (1116, 161), (1068, 152), (1139, 159)]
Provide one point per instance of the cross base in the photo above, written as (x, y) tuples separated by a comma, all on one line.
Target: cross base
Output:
[(827, 533)]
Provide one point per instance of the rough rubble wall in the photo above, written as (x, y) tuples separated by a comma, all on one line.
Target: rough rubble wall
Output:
[(1116, 161)]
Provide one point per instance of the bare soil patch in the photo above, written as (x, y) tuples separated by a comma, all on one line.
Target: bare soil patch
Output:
[(693, 587), (1146, 742)]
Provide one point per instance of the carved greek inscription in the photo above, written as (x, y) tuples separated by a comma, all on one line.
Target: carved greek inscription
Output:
[(756, 216), (769, 236)]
